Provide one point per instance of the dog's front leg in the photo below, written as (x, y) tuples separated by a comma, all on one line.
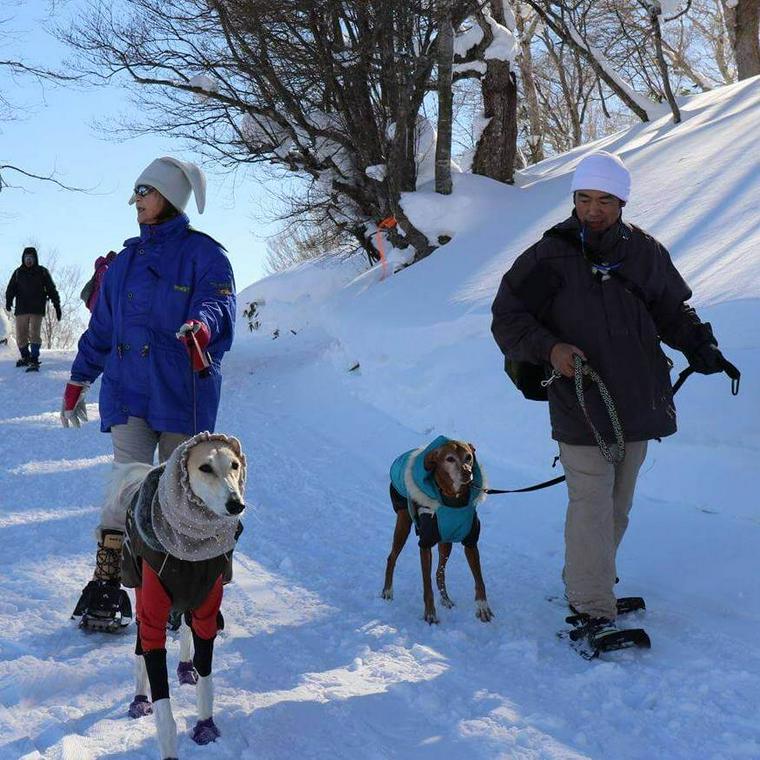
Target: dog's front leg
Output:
[(426, 561), (400, 534), (482, 610), (444, 551), (155, 663)]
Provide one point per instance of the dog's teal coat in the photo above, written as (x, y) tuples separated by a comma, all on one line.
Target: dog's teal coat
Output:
[(417, 485)]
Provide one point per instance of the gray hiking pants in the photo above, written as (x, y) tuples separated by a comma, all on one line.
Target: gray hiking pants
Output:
[(135, 441), (601, 495)]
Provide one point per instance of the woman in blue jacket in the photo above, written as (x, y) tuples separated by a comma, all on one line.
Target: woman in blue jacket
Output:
[(169, 288)]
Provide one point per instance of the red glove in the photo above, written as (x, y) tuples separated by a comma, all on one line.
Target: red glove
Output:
[(196, 336), (73, 409)]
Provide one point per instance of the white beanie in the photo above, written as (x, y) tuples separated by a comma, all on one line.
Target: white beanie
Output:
[(603, 172), (174, 179)]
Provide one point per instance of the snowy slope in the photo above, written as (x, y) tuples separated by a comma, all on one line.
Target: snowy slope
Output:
[(313, 663)]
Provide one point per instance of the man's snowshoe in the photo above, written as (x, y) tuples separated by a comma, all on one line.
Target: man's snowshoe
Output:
[(23, 362), (590, 637), (103, 606), (625, 604), (33, 366)]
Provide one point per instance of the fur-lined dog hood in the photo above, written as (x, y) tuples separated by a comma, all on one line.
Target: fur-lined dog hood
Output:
[(185, 527), (413, 481)]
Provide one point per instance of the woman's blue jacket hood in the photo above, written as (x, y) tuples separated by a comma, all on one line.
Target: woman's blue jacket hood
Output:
[(167, 275)]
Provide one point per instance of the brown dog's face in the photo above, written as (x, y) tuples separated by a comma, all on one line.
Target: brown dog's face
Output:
[(452, 466)]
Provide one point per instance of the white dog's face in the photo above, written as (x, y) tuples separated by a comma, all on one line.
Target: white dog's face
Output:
[(215, 473)]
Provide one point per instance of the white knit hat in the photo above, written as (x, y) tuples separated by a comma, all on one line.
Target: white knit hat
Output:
[(174, 179), (604, 172)]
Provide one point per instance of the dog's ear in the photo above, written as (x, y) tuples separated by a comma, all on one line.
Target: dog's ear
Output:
[(431, 459), (472, 448)]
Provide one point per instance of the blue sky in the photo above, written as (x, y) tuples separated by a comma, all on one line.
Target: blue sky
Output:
[(53, 131)]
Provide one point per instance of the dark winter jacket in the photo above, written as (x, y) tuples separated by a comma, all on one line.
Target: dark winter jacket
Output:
[(552, 294), (31, 287), (170, 274), (187, 583)]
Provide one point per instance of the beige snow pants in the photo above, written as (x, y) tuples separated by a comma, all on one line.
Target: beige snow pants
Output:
[(135, 441), (601, 495), (28, 329)]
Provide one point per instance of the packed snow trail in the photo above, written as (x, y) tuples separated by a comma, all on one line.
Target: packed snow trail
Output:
[(313, 663)]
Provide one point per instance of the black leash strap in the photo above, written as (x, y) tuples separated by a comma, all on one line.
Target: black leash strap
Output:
[(537, 487), (726, 367)]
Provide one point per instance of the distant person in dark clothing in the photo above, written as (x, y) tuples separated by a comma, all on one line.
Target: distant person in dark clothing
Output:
[(31, 286)]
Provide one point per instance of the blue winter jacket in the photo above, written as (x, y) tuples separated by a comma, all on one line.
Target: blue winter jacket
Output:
[(417, 485), (170, 274)]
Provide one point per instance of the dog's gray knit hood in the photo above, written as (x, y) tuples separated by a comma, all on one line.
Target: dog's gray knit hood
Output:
[(185, 526)]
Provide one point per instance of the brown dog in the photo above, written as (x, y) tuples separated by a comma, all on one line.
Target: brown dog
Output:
[(437, 489)]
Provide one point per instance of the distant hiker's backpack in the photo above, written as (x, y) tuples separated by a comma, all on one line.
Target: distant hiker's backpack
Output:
[(527, 378), (89, 293), (88, 289)]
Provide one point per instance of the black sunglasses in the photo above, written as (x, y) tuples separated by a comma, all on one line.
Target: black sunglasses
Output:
[(143, 190)]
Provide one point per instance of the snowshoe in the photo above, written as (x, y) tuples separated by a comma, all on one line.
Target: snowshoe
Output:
[(625, 604), (33, 366), (23, 362), (590, 637), (103, 606)]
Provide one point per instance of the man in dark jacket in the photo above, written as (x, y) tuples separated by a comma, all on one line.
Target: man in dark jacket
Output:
[(31, 286), (606, 291)]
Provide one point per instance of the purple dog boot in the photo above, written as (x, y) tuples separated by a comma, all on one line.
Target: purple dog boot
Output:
[(205, 732), (140, 707), (187, 674)]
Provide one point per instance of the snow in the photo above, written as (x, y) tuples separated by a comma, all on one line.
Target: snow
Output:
[(203, 82), (312, 662), (376, 172)]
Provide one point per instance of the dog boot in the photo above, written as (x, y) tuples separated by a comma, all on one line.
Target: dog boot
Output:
[(104, 605)]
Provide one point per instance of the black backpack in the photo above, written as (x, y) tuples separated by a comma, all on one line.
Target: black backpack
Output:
[(527, 378)]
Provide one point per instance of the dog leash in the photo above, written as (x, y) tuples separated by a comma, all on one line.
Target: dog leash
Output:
[(580, 370)]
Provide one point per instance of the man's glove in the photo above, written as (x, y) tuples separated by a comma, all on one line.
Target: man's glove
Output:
[(73, 409), (195, 329), (706, 359), (58, 313), (8, 307)]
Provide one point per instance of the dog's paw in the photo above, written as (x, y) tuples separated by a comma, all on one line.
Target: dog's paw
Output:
[(387, 593), (205, 732), (431, 618), (447, 601), (186, 674), (483, 611), (139, 707)]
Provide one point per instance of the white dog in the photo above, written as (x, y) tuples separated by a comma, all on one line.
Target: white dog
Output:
[(183, 520)]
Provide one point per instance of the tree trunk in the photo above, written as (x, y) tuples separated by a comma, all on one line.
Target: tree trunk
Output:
[(525, 61), (745, 37), (496, 150), (445, 99), (573, 38), (654, 18)]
